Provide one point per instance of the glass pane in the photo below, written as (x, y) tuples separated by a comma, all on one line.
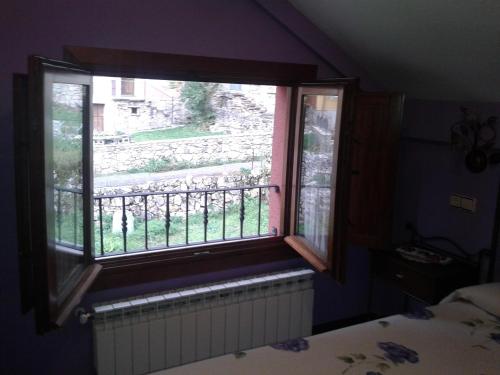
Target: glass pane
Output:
[(317, 166), (65, 223)]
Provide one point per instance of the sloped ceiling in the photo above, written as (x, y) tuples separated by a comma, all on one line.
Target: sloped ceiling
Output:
[(430, 49)]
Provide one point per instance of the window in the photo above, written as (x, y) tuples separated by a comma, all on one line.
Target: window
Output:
[(309, 185), (197, 167), (127, 86), (61, 126), (98, 116), (317, 140)]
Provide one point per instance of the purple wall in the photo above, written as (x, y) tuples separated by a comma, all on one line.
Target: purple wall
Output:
[(318, 42), (221, 28), (430, 172)]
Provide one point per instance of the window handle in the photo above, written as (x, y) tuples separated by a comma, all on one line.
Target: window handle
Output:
[(207, 252)]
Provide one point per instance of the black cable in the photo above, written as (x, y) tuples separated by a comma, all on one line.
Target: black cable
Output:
[(417, 238)]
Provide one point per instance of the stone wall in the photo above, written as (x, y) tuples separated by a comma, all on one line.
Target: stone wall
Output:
[(235, 112), (177, 202), (189, 152), (140, 115), (69, 95)]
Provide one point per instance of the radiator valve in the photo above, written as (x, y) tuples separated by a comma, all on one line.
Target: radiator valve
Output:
[(82, 315)]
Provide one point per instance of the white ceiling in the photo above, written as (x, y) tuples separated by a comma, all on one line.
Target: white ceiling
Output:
[(430, 49)]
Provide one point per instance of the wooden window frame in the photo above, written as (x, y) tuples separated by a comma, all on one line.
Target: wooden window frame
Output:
[(38, 251), (180, 262), (337, 237), (122, 270), (135, 64)]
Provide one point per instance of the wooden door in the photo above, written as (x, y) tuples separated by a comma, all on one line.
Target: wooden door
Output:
[(98, 116), (374, 154)]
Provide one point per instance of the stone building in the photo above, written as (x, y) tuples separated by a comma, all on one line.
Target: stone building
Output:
[(128, 105)]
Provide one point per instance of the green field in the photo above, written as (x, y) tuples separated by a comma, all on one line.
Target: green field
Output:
[(187, 131)]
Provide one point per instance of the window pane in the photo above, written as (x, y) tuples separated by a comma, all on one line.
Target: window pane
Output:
[(65, 222), (182, 154), (98, 116), (317, 167), (127, 86)]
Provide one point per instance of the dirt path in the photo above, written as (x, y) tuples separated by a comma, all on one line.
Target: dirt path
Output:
[(141, 178)]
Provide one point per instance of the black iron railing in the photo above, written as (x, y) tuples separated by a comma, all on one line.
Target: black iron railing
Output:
[(68, 216), (171, 209)]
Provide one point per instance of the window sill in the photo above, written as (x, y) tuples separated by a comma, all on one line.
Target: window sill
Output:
[(125, 270)]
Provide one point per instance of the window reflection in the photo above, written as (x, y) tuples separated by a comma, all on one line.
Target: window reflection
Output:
[(66, 221), (319, 113)]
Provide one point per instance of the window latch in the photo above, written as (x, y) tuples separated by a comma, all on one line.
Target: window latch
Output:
[(207, 252)]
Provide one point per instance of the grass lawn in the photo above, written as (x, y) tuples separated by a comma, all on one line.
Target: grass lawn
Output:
[(187, 131), (166, 165), (113, 242)]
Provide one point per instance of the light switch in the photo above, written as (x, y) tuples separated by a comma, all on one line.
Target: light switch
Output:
[(469, 204), (455, 201), (464, 202)]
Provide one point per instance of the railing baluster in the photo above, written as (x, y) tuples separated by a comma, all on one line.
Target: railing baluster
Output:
[(124, 225), (100, 226), (187, 218), (167, 219), (59, 235), (260, 208), (59, 202), (224, 215), (146, 222), (74, 219), (242, 211), (205, 219)]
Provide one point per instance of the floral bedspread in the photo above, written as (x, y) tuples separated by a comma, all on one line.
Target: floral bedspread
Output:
[(451, 338)]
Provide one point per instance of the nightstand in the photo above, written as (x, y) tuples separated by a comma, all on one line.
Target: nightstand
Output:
[(426, 282)]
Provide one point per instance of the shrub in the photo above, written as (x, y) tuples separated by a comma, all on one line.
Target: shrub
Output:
[(245, 171), (197, 96)]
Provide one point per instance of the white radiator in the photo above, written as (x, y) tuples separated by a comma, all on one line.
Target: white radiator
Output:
[(154, 332)]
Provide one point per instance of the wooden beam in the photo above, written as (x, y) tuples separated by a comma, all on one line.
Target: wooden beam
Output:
[(127, 63)]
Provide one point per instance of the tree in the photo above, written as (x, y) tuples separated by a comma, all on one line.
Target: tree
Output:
[(198, 96)]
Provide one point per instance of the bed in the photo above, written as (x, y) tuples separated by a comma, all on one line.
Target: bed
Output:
[(461, 335)]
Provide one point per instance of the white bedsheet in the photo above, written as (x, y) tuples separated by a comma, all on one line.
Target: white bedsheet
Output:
[(452, 338)]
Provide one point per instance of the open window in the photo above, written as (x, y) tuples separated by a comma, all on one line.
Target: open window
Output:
[(320, 174), (62, 223), (191, 165), (58, 135)]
